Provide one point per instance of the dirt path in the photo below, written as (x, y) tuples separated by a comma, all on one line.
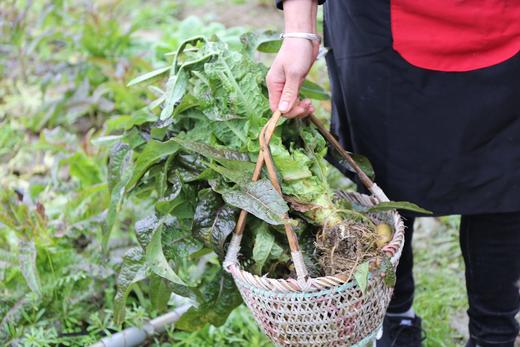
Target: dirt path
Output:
[(251, 13)]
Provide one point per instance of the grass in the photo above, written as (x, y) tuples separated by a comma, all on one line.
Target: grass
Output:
[(440, 291), (239, 330)]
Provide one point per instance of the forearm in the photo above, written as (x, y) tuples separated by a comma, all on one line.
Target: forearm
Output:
[(300, 15), (294, 59)]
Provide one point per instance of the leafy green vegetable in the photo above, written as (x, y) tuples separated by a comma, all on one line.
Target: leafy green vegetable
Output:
[(361, 276), (197, 162), (148, 75), (213, 220), (388, 272), (132, 271), (162, 292), (260, 199), (398, 205), (156, 260), (195, 169), (264, 242), (120, 170), (153, 152), (220, 298), (312, 90)]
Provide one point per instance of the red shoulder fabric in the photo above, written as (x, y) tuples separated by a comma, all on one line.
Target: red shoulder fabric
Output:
[(455, 35)]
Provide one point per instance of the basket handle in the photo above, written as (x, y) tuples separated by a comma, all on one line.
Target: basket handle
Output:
[(367, 182), (264, 157), (265, 137)]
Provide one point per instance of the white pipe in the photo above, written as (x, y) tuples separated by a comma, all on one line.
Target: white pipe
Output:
[(133, 337)]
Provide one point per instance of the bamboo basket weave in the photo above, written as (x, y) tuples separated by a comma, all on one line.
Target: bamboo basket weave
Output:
[(322, 311)]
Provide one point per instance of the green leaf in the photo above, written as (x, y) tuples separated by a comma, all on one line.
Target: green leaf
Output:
[(237, 82), (264, 242), (314, 91), (293, 166), (161, 293), (260, 199), (269, 46), (212, 152), (389, 275), (175, 89), (118, 162), (126, 122), (132, 271), (214, 114), (266, 42), (8, 221), (120, 170), (187, 102), (173, 196), (134, 138), (27, 261), (362, 162), (235, 176), (156, 260), (84, 169), (361, 276), (144, 229), (220, 298), (213, 221), (235, 165), (148, 75), (152, 152), (178, 80), (398, 205)]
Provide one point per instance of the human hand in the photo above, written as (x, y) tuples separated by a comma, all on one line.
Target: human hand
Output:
[(294, 60), (286, 75)]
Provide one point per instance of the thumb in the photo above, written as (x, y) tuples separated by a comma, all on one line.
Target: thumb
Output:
[(289, 94)]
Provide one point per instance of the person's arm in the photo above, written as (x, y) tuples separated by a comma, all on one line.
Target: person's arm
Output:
[(294, 60)]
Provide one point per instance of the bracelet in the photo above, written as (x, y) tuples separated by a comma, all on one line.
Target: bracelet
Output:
[(307, 36)]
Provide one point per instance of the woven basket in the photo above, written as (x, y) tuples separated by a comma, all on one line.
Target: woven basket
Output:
[(322, 311)]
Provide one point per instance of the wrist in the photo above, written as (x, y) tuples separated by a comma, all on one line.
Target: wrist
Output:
[(301, 35), (300, 15)]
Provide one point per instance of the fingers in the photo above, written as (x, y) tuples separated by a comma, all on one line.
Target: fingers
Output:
[(289, 68), (300, 110), (275, 82), (285, 77), (280, 92), (289, 92)]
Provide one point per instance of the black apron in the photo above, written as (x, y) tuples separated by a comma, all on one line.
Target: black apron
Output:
[(447, 141)]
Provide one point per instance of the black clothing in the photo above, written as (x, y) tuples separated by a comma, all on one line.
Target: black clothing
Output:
[(401, 332), (447, 141), (402, 299), (490, 245)]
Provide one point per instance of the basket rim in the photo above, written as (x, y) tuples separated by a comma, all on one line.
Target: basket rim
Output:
[(393, 250)]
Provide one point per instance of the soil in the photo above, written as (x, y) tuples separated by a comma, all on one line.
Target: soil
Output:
[(252, 14), (344, 246)]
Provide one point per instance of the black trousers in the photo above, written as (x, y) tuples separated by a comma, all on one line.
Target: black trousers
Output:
[(490, 245)]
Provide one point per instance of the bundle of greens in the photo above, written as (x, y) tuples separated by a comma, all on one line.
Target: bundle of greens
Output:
[(191, 153)]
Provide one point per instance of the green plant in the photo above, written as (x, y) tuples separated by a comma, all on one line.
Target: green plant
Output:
[(239, 330), (191, 154)]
